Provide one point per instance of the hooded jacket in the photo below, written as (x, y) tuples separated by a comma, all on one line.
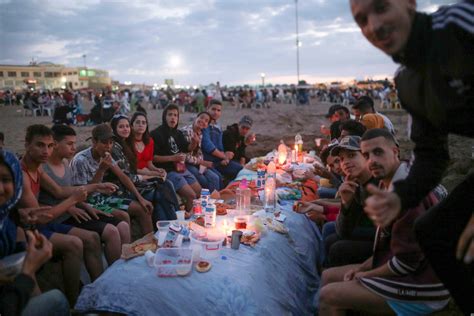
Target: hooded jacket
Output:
[(168, 141), (436, 86), (234, 142)]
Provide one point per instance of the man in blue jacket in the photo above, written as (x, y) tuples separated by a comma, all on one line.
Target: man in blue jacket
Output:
[(213, 147)]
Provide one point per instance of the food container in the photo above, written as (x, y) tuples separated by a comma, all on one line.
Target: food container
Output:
[(210, 243), (171, 262), (10, 266)]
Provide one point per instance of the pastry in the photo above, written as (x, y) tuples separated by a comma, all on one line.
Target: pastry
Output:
[(203, 266)]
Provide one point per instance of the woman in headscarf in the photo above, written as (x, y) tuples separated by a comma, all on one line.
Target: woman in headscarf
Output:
[(200, 168), (16, 292)]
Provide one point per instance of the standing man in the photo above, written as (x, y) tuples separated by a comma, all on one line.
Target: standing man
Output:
[(435, 85)]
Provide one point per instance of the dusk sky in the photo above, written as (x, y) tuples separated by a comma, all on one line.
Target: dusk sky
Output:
[(195, 41)]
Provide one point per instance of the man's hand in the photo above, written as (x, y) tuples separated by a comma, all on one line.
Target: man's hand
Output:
[(94, 213), (179, 157), (38, 252), (382, 207), (229, 155), (225, 162), (79, 214), (146, 205), (207, 164), (79, 195), (316, 216), (465, 249), (107, 188), (105, 162), (35, 215), (350, 275), (161, 173), (347, 191)]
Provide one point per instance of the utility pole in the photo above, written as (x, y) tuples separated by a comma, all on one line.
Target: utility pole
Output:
[(297, 45)]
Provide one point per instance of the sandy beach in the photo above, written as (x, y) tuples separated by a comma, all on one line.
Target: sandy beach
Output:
[(281, 121)]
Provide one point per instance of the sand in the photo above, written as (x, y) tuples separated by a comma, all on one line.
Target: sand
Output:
[(281, 121)]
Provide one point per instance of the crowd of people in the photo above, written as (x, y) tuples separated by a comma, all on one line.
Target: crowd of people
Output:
[(72, 202), (399, 243)]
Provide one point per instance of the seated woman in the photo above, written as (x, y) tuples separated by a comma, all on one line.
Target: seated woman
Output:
[(153, 186), (143, 145), (170, 154), (20, 295), (200, 168)]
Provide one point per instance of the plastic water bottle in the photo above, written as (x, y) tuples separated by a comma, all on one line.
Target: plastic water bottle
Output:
[(260, 179), (205, 195), (210, 216), (270, 188), (299, 142), (245, 194)]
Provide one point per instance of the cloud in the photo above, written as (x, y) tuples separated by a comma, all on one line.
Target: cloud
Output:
[(193, 41)]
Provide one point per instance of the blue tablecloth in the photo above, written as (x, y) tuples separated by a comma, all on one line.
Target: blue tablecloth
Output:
[(278, 276)]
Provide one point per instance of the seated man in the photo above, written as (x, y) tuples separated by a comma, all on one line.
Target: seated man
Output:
[(95, 164), (236, 138), (398, 277), (69, 242), (212, 145), (337, 114), (113, 232), (354, 232), (364, 110)]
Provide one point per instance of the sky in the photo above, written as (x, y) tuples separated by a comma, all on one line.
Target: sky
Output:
[(195, 41)]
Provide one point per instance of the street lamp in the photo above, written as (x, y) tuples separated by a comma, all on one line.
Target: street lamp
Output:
[(84, 56), (298, 45), (263, 79)]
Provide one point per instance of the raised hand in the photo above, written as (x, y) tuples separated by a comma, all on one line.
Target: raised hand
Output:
[(465, 249), (38, 252), (79, 214), (79, 195), (35, 215), (382, 207), (347, 191), (107, 188), (105, 162)]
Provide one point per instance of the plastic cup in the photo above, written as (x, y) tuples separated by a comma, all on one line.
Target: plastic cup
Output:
[(180, 215), (240, 222)]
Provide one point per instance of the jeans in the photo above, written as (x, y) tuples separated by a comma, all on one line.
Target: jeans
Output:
[(327, 193), (231, 170), (438, 232), (51, 303), (339, 252), (164, 207), (209, 180)]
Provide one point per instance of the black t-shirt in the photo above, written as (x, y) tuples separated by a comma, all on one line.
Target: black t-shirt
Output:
[(335, 129), (168, 142), (234, 142)]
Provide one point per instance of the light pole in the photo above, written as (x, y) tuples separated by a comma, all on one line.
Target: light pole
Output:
[(263, 79), (84, 56), (298, 44)]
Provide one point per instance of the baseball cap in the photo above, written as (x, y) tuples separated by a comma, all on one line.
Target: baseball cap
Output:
[(102, 132), (332, 110), (349, 143), (246, 121)]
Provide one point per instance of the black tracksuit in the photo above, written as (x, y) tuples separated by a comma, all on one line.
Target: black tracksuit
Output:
[(436, 86)]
